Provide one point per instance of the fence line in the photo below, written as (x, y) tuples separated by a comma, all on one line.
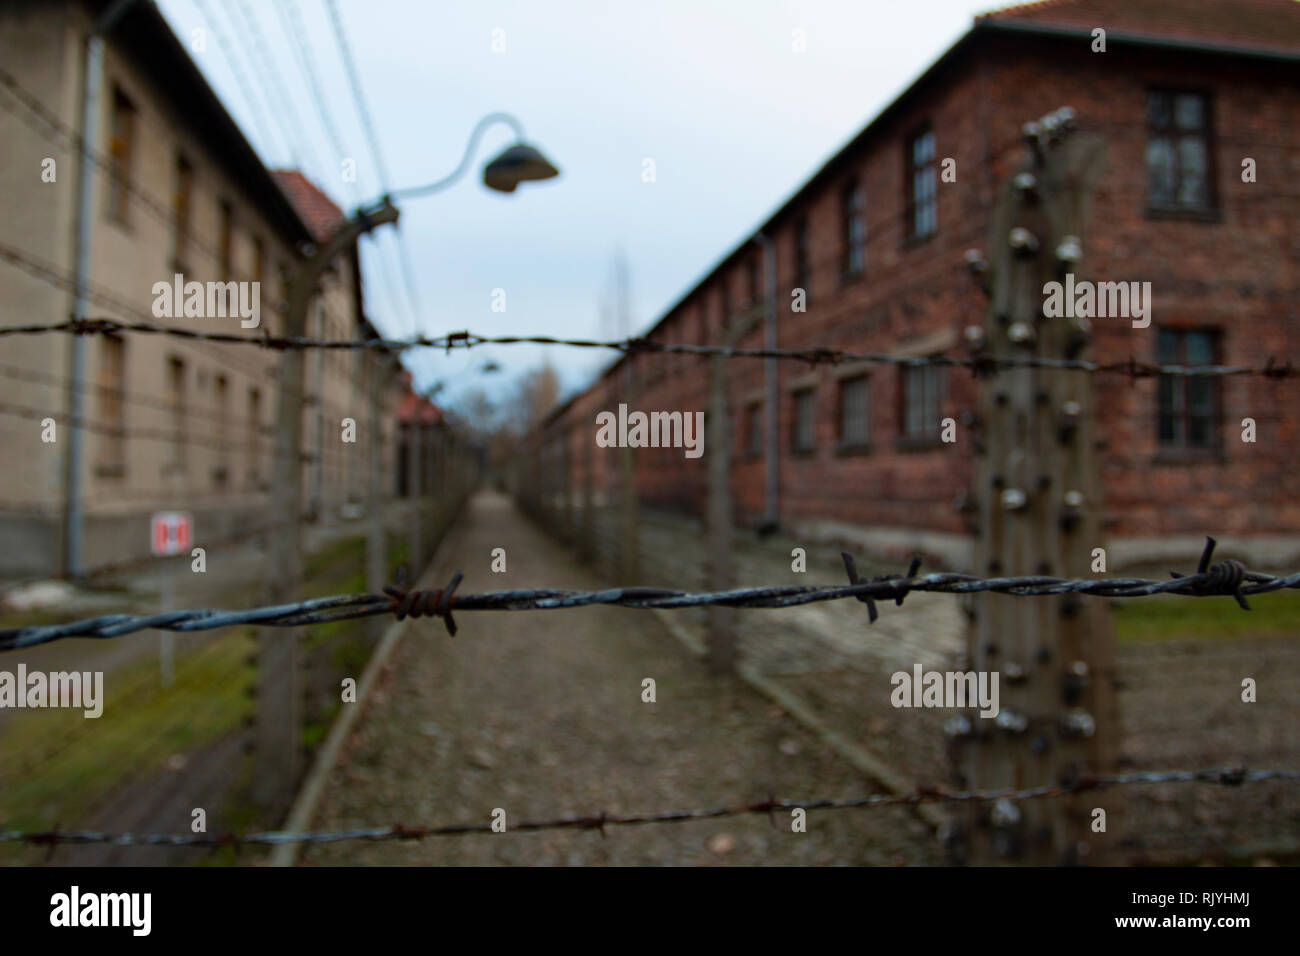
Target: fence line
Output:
[(34, 377), (1226, 777), (1227, 578), (977, 364), (148, 434)]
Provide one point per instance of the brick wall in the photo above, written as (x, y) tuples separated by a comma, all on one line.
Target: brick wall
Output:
[(1234, 273)]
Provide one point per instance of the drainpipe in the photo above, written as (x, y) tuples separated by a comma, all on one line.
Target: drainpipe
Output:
[(92, 81), (771, 460)]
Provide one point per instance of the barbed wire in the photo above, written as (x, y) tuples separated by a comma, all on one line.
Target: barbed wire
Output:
[(927, 794), (977, 364), (20, 373), (1228, 578), (260, 443)]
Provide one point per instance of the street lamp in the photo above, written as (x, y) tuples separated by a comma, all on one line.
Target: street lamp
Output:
[(487, 368), (517, 164)]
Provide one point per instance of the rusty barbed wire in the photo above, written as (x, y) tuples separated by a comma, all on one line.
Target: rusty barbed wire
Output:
[(1235, 776), (978, 365), (1228, 578)]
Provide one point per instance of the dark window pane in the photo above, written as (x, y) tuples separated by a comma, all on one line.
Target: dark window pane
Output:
[(1200, 348), (1158, 110), (804, 420), (854, 411), (1166, 347), (1199, 430), (1189, 111), (1187, 406), (1192, 165), (1160, 171), (1166, 409)]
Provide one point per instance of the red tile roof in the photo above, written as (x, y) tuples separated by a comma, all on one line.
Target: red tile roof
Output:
[(430, 414), (1268, 24), (315, 208)]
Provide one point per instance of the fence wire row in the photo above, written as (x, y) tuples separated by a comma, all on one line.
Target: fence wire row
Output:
[(978, 364), (1235, 776), (1226, 578)]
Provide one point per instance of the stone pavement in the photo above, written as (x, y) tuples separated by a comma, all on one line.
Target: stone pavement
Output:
[(540, 713)]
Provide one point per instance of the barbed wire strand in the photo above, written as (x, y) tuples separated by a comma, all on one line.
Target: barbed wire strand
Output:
[(978, 365), (1226, 777), (1230, 578)]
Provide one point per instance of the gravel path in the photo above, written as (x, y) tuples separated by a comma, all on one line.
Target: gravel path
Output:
[(540, 713)]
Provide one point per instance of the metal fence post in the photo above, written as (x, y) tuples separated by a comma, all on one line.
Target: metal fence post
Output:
[(628, 518), (376, 558), (721, 620), (587, 540), (1039, 491), (279, 680)]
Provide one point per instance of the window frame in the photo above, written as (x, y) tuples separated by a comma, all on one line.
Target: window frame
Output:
[(123, 115), (254, 448), (182, 211), (111, 447), (796, 397), (175, 384), (1176, 210), (907, 438), (752, 435), (1182, 449), (911, 170), (853, 211), (844, 444), (225, 240)]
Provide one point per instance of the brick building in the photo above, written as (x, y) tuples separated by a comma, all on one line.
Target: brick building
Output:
[(1183, 94)]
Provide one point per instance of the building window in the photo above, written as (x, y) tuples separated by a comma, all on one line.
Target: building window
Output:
[(803, 436), (753, 437), (1178, 151), (181, 212), (853, 207), (176, 404), (254, 437), (855, 408), (121, 147), (922, 402), (112, 387), (1188, 406), (220, 473), (259, 261), (225, 241), (921, 186)]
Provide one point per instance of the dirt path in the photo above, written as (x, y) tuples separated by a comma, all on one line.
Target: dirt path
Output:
[(540, 713)]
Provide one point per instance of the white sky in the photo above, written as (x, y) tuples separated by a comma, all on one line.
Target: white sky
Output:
[(709, 89)]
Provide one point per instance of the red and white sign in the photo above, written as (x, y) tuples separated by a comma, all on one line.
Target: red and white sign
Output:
[(170, 532)]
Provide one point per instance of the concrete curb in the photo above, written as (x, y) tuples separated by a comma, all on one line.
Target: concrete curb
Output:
[(859, 757), (304, 805)]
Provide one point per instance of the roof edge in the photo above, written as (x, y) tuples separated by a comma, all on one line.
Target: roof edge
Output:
[(1035, 28), (957, 48)]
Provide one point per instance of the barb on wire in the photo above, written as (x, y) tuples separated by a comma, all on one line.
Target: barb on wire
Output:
[(1228, 578), (977, 364), (1227, 777)]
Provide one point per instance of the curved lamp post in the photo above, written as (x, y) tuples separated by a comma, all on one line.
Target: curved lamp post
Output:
[(517, 164)]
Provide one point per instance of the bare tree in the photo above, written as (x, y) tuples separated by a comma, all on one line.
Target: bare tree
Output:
[(535, 395)]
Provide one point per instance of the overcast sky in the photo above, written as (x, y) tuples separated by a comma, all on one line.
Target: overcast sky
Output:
[(711, 90)]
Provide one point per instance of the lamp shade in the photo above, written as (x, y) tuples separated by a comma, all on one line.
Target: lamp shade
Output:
[(520, 163)]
